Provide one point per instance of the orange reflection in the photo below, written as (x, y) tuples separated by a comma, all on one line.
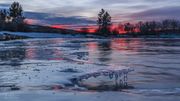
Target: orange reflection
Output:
[(92, 48), (30, 53), (126, 44)]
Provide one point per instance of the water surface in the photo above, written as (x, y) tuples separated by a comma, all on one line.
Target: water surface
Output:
[(32, 69)]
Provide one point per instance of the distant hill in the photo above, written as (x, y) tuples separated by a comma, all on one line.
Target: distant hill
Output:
[(48, 29)]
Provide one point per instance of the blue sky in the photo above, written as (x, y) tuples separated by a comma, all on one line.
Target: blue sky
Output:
[(85, 11)]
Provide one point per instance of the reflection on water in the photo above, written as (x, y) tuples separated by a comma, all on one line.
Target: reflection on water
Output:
[(40, 50), (104, 48), (56, 49)]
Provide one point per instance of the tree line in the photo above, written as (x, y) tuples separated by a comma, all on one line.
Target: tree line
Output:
[(145, 28)]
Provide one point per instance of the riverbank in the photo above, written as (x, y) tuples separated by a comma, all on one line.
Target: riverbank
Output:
[(6, 35)]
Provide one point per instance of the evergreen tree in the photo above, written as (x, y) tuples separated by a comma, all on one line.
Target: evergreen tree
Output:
[(16, 17), (104, 22), (15, 10), (3, 16), (174, 24), (152, 27), (129, 28)]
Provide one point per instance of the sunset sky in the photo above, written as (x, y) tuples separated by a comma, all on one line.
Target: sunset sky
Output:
[(84, 12)]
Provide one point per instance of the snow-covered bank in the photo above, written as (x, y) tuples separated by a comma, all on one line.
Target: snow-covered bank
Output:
[(6, 36), (46, 35), (59, 35)]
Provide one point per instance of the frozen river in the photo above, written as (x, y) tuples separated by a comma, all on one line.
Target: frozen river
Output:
[(41, 69)]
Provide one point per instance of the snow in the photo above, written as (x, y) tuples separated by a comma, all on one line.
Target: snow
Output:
[(44, 35)]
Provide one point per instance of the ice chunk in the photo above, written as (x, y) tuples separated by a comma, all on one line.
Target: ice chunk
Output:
[(120, 76)]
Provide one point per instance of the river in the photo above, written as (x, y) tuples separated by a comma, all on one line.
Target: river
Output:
[(40, 69)]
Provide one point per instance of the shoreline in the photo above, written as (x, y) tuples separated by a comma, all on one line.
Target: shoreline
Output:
[(7, 36)]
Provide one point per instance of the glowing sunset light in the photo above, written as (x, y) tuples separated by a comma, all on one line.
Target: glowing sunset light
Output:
[(90, 29), (57, 26), (85, 11), (83, 15), (31, 21)]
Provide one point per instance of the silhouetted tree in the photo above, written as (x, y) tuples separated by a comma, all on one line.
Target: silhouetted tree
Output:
[(174, 24), (146, 27), (104, 22), (120, 27), (165, 24), (152, 27), (16, 16), (15, 10), (129, 28), (3, 15), (115, 31), (170, 25)]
